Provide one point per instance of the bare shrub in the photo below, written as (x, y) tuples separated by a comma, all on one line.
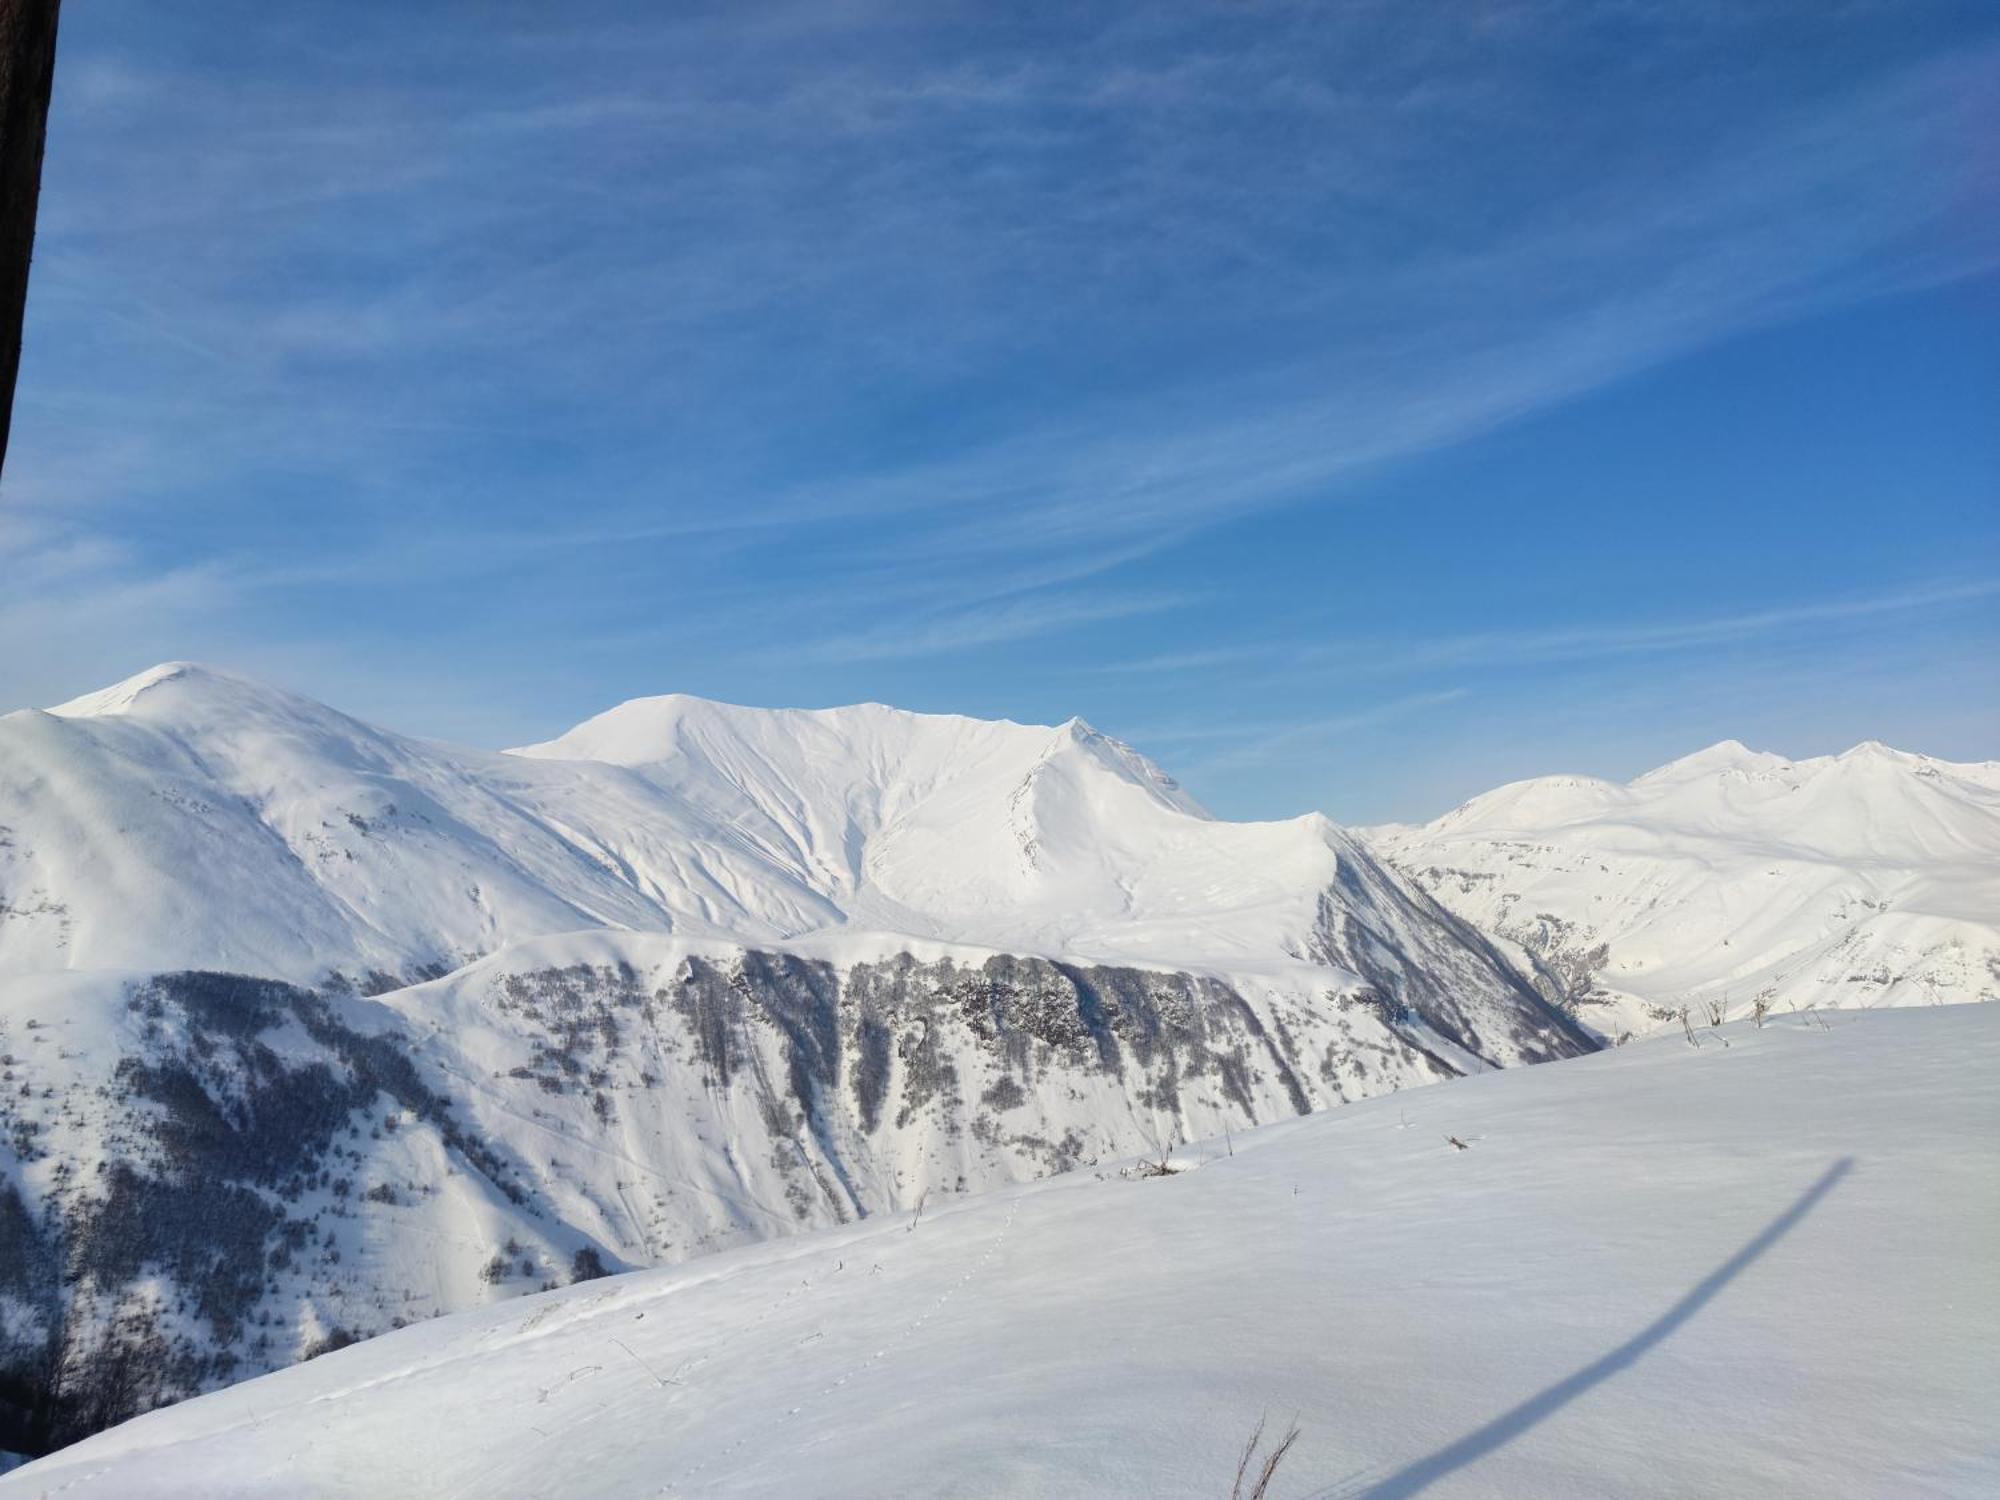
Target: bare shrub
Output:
[(1158, 1161), (1259, 1474)]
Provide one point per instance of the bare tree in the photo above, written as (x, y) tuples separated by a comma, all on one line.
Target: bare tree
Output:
[(27, 76)]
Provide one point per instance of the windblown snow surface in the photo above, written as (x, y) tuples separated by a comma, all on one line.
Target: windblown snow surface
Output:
[(1759, 1266), (1869, 878)]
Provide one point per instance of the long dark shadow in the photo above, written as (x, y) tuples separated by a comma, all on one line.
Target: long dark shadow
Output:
[(1510, 1425)]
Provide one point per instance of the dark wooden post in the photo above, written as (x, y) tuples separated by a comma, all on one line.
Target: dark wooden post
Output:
[(27, 72)]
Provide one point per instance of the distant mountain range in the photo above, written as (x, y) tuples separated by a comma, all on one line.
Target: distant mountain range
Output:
[(1729, 878), (309, 1029)]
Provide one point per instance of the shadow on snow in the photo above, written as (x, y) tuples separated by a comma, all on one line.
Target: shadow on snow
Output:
[(1504, 1428)]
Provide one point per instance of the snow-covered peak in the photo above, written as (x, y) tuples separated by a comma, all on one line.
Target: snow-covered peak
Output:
[(243, 719), (1020, 835), (1875, 753), (646, 731), (1868, 876), (192, 816), (169, 687), (1729, 789), (934, 823), (1540, 800), (1724, 757), (861, 745)]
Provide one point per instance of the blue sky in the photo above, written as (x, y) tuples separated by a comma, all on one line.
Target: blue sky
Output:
[(1352, 405)]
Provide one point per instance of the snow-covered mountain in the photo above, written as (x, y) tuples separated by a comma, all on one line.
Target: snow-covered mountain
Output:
[(192, 818), (1745, 1269), (308, 1029), (1862, 879)]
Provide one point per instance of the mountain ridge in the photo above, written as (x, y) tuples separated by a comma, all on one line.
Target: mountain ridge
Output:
[(308, 1028), (1732, 877)]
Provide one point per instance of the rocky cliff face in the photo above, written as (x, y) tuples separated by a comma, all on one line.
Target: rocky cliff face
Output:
[(213, 1175)]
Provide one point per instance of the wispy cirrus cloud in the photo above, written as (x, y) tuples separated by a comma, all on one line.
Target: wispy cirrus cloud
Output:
[(695, 236), (1412, 652), (857, 338), (985, 625), (1271, 739), (1575, 643)]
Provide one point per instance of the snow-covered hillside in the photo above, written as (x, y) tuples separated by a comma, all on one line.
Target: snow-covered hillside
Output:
[(1863, 879), (308, 1029), (192, 818), (1756, 1267)]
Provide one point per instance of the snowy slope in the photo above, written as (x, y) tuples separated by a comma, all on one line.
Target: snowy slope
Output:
[(1027, 837), (1863, 879), (192, 818), (693, 976), (1754, 1269)]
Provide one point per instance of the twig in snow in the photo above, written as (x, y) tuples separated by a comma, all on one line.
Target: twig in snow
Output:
[(1260, 1487), (1461, 1145), (657, 1380), (576, 1374)]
